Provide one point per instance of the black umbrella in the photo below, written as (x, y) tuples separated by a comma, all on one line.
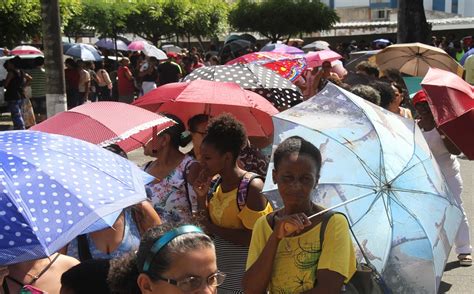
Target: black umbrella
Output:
[(279, 91)]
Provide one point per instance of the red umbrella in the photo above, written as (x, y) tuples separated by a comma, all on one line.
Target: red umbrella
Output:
[(213, 98), (451, 101), (317, 58), (25, 50), (288, 66), (106, 123)]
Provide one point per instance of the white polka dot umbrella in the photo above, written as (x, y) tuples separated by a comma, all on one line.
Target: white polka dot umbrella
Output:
[(276, 89), (53, 187)]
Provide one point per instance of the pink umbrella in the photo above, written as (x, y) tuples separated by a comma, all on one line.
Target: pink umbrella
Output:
[(105, 123), (315, 59), (137, 45), (213, 98), (25, 50)]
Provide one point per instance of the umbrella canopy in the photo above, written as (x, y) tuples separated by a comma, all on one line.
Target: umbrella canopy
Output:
[(359, 56), (25, 50), (84, 52), (315, 59), (172, 48), (213, 98), (137, 45), (288, 66), (109, 44), (151, 50), (66, 46), (466, 55), (54, 187), (281, 48), (279, 91), (451, 100), (415, 59), (93, 122), (378, 169), (235, 46), (317, 45), (413, 85)]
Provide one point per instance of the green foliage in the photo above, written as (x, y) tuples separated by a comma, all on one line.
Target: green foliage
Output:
[(276, 19), (207, 18), (19, 20)]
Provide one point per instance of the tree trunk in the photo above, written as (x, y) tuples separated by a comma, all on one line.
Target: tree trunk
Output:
[(412, 25), (53, 53)]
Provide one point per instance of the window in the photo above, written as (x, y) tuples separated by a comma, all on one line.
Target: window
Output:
[(454, 6), (439, 5)]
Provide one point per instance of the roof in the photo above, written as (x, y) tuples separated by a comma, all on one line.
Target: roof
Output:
[(457, 21)]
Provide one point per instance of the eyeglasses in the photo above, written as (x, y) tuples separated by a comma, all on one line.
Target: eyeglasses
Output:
[(194, 283)]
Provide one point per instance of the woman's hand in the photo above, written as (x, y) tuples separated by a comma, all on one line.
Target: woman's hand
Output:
[(202, 184), (290, 224), (3, 273)]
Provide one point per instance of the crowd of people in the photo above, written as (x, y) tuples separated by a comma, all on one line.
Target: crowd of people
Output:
[(207, 227)]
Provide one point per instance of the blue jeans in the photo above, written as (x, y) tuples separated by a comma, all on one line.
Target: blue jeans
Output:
[(15, 109)]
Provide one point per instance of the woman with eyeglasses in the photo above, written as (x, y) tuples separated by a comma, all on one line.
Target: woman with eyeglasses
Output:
[(180, 260)]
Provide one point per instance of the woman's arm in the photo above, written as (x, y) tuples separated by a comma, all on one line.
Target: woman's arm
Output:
[(27, 78), (329, 282), (258, 275), (8, 79)]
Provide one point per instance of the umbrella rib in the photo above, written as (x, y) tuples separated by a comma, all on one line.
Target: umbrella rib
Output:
[(420, 192), (353, 185)]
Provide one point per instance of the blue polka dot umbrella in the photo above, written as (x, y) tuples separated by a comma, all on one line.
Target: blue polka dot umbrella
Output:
[(54, 187)]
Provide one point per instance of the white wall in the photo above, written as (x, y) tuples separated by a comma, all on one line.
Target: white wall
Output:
[(466, 7), (428, 4), (350, 3)]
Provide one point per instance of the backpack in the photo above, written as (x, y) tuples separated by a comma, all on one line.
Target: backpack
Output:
[(366, 279), (242, 191)]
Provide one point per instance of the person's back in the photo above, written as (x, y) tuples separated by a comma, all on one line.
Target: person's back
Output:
[(44, 274), (469, 67)]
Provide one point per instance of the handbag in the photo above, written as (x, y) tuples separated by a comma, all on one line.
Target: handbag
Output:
[(28, 113), (366, 279)]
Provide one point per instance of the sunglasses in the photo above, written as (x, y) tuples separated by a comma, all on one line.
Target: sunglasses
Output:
[(193, 283)]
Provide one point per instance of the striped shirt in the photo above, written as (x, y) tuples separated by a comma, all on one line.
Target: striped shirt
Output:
[(38, 82)]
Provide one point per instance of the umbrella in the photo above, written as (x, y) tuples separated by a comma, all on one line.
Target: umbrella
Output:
[(84, 52), (151, 50), (213, 98), (315, 59), (451, 101), (281, 48), (110, 44), (137, 45), (288, 66), (25, 50), (415, 59), (317, 45), (66, 46), (54, 187), (383, 42), (172, 48), (359, 56), (466, 55), (236, 46), (413, 85), (103, 123), (379, 169), (279, 91)]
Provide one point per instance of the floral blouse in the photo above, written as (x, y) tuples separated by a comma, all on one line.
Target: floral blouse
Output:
[(170, 198)]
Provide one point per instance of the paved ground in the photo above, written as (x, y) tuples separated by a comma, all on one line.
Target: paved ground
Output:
[(456, 279)]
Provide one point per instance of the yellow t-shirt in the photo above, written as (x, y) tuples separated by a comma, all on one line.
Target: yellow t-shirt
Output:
[(224, 211), (297, 258)]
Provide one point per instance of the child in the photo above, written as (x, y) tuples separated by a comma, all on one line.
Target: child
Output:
[(292, 262)]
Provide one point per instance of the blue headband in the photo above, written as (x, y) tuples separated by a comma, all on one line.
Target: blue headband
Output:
[(165, 239)]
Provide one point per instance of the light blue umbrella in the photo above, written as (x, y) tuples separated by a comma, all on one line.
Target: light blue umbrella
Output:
[(379, 171), (466, 55), (53, 188), (84, 52)]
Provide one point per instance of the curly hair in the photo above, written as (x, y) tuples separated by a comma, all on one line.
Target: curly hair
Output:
[(300, 145), (124, 270), (226, 134)]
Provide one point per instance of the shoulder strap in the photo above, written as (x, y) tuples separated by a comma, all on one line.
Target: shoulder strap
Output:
[(147, 165), (185, 177), (83, 249), (213, 187), (5, 285), (324, 224), (243, 189), (46, 268)]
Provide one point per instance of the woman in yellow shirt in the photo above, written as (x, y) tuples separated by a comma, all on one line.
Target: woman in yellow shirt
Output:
[(280, 261), (231, 205)]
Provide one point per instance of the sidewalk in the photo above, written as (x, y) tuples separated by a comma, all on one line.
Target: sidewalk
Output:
[(456, 279)]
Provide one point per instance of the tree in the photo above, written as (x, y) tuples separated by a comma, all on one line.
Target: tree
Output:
[(412, 24), (145, 20), (20, 20), (206, 18), (276, 19)]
